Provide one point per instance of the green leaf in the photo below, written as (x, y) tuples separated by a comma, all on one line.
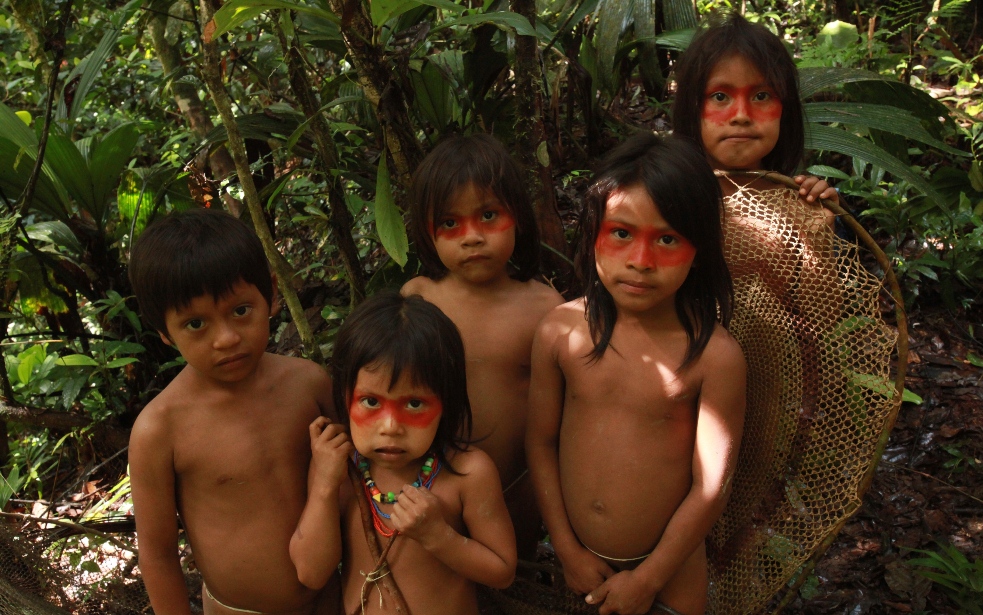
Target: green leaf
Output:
[(120, 362), (612, 18), (384, 10), (679, 14), (58, 234), (388, 220), (814, 80), (504, 20), (15, 168), (25, 116), (839, 34), (821, 170), (974, 360), (67, 162), (820, 137), (108, 160), (911, 397), (77, 360), (88, 70), (880, 117), (237, 12)]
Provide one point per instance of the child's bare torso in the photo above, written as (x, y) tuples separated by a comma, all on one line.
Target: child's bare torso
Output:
[(425, 582), (497, 328), (627, 434), (240, 462)]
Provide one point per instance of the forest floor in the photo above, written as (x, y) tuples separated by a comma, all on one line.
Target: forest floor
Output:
[(927, 491)]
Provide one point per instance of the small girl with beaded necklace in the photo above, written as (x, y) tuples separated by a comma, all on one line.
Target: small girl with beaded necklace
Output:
[(399, 372)]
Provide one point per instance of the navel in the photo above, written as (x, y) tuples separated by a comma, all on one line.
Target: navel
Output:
[(597, 506)]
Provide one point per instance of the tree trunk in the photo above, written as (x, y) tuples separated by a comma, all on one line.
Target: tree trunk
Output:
[(339, 218), (379, 81), (530, 131), (190, 105), (213, 79)]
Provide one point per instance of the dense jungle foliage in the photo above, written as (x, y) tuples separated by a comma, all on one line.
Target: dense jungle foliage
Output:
[(307, 118)]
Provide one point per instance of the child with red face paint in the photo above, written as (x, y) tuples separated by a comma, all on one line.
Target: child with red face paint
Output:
[(476, 234), (400, 373), (637, 394), (737, 97)]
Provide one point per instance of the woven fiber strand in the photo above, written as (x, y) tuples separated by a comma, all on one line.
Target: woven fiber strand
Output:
[(820, 392)]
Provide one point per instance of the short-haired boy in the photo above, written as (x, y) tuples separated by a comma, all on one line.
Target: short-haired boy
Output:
[(226, 443)]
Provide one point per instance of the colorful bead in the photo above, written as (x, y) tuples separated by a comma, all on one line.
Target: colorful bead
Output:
[(425, 478)]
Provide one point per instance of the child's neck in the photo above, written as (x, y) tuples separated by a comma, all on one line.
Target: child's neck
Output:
[(662, 318), (486, 287)]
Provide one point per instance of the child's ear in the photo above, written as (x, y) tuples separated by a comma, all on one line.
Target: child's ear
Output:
[(275, 298), (163, 338)]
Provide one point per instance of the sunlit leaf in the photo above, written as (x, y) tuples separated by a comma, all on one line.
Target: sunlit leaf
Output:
[(237, 12), (880, 117), (501, 19), (820, 137), (388, 220), (108, 160), (75, 360)]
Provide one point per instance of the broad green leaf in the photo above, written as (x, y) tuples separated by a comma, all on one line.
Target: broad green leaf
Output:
[(974, 360), (814, 80), (56, 233), (388, 220), (839, 34), (302, 128), (879, 117), (819, 137), (68, 164), (384, 10), (25, 116), (237, 12), (679, 14), (434, 96), (677, 40), (821, 170), (648, 63), (501, 19), (109, 158), (258, 126), (15, 168), (611, 19), (910, 397), (75, 360)]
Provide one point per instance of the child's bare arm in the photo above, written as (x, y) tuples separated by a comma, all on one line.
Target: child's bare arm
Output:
[(718, 439), (488, 555), (154, 503), (322, 393), (582, 570), (315, 547)]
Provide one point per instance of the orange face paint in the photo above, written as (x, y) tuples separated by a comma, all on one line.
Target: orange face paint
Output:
[(456, 227), (399, 408), (741, 100), (644, 245)]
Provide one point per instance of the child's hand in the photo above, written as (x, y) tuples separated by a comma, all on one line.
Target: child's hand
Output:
[(417, 515), (625, 593), (811, 188), (330, 449), (583, 571)]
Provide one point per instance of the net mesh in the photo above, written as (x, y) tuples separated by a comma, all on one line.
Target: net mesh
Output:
[(820, 397)]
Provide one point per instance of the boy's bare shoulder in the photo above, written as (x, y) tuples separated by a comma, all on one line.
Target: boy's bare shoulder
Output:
[(561, 321), (420, 285), (155, 423), (542, 295), (303, 377), (475, 463)]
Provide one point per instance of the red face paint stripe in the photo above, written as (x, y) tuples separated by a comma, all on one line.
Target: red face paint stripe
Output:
[(397, 408), (470, 224), (643, 247), (740, 99)]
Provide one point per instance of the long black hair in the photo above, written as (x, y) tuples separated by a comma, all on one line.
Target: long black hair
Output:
[(679, 180), (412, 335), (733, 35)]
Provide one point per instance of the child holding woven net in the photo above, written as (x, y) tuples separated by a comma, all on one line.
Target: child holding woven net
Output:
[(400, 376), (476, 234), (737, 97), (637, 395)]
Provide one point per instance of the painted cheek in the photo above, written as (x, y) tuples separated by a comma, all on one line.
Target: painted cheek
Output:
[(643, 249), (363, 417), (500, 224)]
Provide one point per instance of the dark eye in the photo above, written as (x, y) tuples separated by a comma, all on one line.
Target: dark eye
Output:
[(668, 240), (488, 216), (717, 97), (242, 310), (194, 324), (448, 223), (369, 402), (621, 233), (415, 404), (762, 96)]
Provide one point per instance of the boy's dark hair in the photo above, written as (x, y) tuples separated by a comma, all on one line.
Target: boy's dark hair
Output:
[(188, 254), (726, 36), (410, 335), (680, 181), (483, 161)]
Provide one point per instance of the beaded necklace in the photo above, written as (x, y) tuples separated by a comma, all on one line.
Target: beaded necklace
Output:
[(428, 472)]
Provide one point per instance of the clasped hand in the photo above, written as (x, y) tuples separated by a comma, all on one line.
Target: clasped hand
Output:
[(330, 450), (417, 515), (624, 593)]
